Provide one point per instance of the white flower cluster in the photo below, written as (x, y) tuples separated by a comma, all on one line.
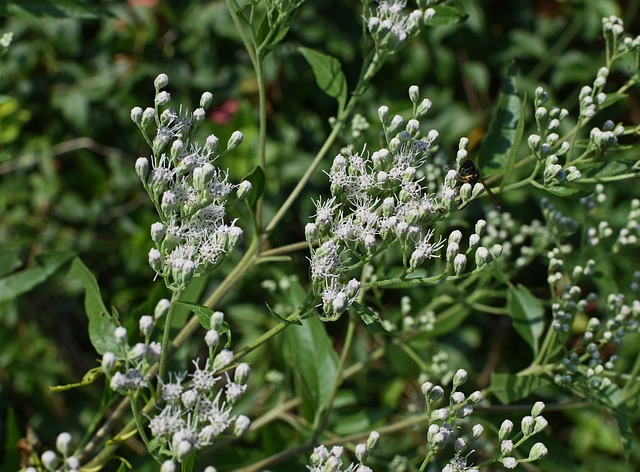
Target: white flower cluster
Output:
[(445, 425), (377, 200), (391, 25), (196, 412), (189, 192), (323, 460)]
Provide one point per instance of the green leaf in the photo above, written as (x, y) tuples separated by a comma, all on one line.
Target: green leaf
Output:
[(449, 320), (328, 74), (257, 179), (370, 318), (52, 9), (447, 15), (308, 350), (503, 132), (267, 38), (527, 315), (9, 261), (513, 153), (101, 323), (509, 388), (24, 281), (571, 190)]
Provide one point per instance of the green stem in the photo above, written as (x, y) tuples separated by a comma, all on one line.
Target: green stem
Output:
[(166, 339)]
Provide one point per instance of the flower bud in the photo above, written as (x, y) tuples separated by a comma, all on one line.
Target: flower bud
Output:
[(459, 263), (161, 309), (146, 325), (538, 451), (63, 441), (482, 256), (212, 338), (234, 140), (424, 107), (157, 232), (222, 360), (49, 460), (459, 378), (414, 94), (142, 168), (205, 100), (505, 429), (120, 333), (217, 317), (211, 143), (161, 81), (361, 452), (148, 117), (198, 116), (383, 114), (372, 441), (168, 466), (108, 362), (537, 408), (162, 98), (241, 375), (243, 189), (136, 115), (241, 425)]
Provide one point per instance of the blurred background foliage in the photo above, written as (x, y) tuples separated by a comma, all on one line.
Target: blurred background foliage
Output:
[(67, 149)]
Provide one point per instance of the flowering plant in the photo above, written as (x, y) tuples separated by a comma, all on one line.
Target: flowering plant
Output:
[(405, 266)]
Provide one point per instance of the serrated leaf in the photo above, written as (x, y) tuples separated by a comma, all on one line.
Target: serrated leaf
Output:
[(52, 9), (527, 315), (257, 179), (22, 282), (503, 132), (308, 350), (101, 324), (509, 388), (370, 318), (447, 15), (328, 74)]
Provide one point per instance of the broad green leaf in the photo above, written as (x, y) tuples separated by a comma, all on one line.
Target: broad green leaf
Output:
[(52, 9), (257, 179), (527, 315), (449, 320), (101, 323), (608, 169), (22, 282), (509, 388), (328, 74), (308, 350), (503, 132), (447, 15), (371, 320), (571, 190)]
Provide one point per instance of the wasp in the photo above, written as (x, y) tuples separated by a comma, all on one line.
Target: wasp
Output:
[(469, 173)]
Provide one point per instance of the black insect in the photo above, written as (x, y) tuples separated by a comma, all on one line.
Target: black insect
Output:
[(470, 174)]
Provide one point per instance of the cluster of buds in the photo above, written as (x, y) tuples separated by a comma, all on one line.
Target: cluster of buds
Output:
[(391, 25), (378, 200), (59, 460), (195, 412), (325, 460), (188, 191), (127, 369)]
